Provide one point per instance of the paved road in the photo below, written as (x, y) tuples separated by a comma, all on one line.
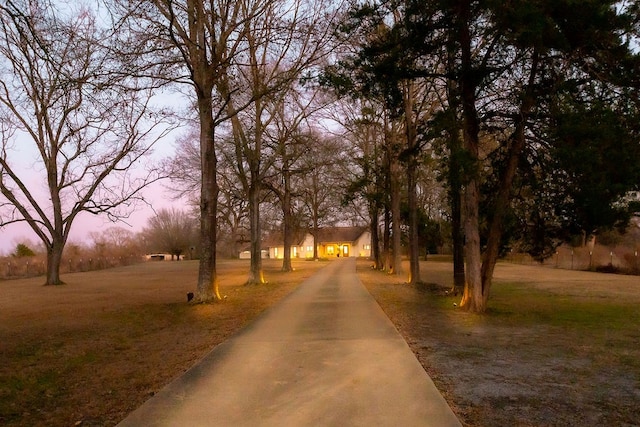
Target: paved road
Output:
[(327, 355)]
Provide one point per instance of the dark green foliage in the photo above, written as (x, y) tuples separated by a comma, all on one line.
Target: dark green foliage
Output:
[(597, 149), (560, 72), (562, 25), (573, 182), (23, 250), (582, 150), (431, 233)]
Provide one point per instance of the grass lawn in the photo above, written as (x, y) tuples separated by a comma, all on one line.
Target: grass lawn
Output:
[(89, 352), (557, 347)]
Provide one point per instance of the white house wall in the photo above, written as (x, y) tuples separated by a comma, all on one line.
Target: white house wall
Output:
[(362, 246)]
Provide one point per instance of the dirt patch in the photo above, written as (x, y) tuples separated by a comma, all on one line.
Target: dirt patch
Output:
[(557, 348), (89, 352)]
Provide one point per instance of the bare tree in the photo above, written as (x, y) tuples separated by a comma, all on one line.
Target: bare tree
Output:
[(64, 98), (113, 239), (420, 102), (322, 184), (291, 141), (283, 42), (183, 169), (184, 172), (207, 37), (171, 231), (115, 243), (233, 212), (366, 133), (291, 137)]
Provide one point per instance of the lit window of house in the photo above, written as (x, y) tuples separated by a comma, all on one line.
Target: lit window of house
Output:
[(367, 247), (330, 250)]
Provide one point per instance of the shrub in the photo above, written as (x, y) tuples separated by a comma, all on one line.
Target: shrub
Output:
[(23, 250)]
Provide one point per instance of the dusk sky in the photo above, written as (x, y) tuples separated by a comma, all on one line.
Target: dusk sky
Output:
[(157, 195), (159, 198), (25, 156)]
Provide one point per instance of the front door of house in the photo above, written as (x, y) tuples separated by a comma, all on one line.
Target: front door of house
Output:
[(345, 250)]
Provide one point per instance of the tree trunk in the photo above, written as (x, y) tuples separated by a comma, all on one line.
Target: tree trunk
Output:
[(391, 152), (473, 297), (386, 238), (388, 260), (457, 237), (255, 270), (316, 234), (207, 289), (315, 242), (375, 238), (501, 206), (315, 214), (396, 265), (288, 220), (412, 202), (492, 251), (455, 182), (414, 241), (54, 259)]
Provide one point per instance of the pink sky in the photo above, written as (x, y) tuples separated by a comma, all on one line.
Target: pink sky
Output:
[(157, 195), (27, 160)]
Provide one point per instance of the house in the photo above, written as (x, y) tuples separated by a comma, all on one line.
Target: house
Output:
[(163, 257), (332, 242), (245, 253)]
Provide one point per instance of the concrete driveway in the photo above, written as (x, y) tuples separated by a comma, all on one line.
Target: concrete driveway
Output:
[(326, 355)]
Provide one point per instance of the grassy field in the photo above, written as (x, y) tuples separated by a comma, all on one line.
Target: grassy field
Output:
[(89, 352), (557, 347)]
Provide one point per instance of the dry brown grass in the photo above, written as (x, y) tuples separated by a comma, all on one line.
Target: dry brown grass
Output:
[(557, 347), (96, 348)]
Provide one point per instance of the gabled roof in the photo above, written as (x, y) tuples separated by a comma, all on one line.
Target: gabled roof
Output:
[(325, 235), (276, 238), (340, 234)]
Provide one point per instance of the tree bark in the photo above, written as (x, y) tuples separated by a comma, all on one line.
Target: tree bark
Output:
[(314, 213), (414, 241), (501, 205), (391, 151), (255, 271), (472, 298), (251, 181), (396, 233), (287, 220), (457, 236), (207, 288), (54, 259), (455, 181), (386, 237), (315, 241), (412, 166), (375, 237)]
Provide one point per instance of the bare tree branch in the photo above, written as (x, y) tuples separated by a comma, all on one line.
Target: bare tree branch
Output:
[(62, 95)]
